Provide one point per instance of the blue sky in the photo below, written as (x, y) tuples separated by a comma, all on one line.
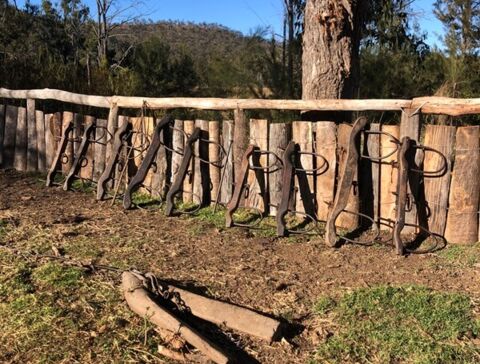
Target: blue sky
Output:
[(247, 15)]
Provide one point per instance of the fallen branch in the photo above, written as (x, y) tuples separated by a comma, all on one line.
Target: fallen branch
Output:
[(234, 317), (140, 302)]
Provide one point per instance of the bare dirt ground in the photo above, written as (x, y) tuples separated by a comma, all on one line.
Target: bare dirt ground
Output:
[(279, 277)]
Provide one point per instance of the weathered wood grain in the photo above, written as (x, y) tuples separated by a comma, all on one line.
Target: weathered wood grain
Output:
[(11, 119), (373, 149), (388, 175), (302, 134), (325, 145), (257, 178), (279, 136), (347, 220), (100, 149), (214, 157), (442, 138), (201, 173), (464, 199), (67, 162), (41, 148), (32, 154), (227, 140), (177, 147), (188, 127), (2, 132), (21, 141)]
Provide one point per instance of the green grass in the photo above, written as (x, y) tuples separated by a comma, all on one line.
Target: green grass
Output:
[(399, 324), (461, 256)]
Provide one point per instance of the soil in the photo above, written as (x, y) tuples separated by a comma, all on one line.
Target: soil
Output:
[(279, 277)]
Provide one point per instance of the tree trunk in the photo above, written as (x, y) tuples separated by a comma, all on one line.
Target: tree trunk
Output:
[(330, 48)]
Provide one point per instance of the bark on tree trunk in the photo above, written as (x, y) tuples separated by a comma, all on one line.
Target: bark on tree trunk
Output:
[(330, 48)]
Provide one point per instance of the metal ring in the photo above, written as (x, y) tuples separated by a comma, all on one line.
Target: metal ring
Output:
[(83, 162), (307, 231), (270, 168), (313, 171), (432, 174), (438, 239), (255, 223), (219, 163), (189, 212), (393, 140), (105, 133), (375, 228)]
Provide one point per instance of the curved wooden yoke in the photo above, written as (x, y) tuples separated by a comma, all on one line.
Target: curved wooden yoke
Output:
[(57, 160), (107, 174), (234, 202), (177, 185), (345, 182), (147, 162)]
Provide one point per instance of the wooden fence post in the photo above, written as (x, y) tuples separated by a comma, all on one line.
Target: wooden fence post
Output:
[(373, 150), (441, 138), (326, 146), (21, 140), (258, 179), (177, 147), (227, 140), (201, 173), (67, 118), (302, 134), (161, 177), (2, 132), (100, 149), (462, 219), (87, 171), (388, 175), (240, 137), (188, 127), (410, 126), (50, 144), (347, 220), (214, 156), (279, 136), (32, 154), (11, 119), (41, 148)]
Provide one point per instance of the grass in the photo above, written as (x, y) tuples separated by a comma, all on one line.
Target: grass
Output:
[(409, 324), (460, 256)]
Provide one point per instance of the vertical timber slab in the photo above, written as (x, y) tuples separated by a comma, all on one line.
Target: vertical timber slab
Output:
[(214, 156), (441, 138), (2, 132), (388, 175), (227, 142), (177, 147), (67, 163), (78, 126), (21, 141), (188, 127), (279, 136), (100, 148), (326, 146), (258, 179), (11, 119), (462, 219), (32, 152), (123, 168), (373, 150), (201, 174), (346, 220), (302, 134), (160, 178), (149, 126), (86, 171), (112, 124), (41, 147), (410, 125), (240, 137), (50, 144)]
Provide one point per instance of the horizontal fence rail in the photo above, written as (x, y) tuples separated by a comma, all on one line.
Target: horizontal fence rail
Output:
[(425, 105)]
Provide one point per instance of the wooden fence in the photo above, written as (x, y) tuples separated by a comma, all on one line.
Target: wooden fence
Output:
[(29, 139)]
